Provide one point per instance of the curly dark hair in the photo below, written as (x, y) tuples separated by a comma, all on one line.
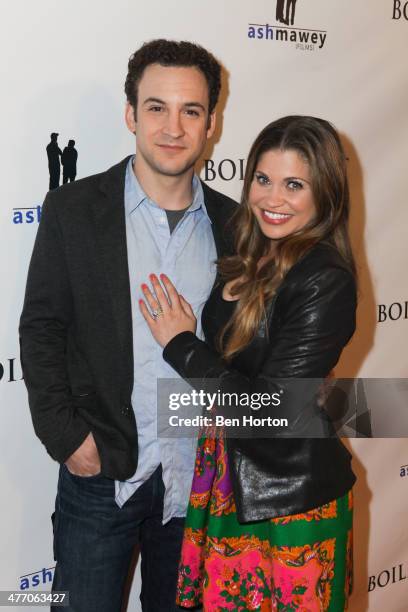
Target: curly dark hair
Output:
[(173, 53)]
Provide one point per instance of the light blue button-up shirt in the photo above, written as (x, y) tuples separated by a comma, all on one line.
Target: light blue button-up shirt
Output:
[(188, 257)]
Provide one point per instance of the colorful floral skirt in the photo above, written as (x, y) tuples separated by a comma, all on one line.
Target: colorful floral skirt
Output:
[(300, 562)]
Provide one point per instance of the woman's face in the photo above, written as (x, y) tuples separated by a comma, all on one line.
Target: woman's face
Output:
[(281, 195)]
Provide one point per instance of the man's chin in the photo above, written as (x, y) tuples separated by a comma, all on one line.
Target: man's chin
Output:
[(173, 169)]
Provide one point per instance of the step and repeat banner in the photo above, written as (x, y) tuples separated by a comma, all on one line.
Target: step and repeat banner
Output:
[(63, 71)]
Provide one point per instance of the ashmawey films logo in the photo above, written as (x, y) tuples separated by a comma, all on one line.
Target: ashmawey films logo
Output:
[(27, 215), (56, 158), (40, 578), (285, 32)]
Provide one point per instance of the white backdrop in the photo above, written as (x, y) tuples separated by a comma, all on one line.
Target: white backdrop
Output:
[(63, 67)]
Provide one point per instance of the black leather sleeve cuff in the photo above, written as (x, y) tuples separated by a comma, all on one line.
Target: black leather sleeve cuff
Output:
[(178, 352), (193, 358)]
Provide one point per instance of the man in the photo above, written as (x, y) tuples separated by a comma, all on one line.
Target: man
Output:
[(69, 162), (89, 360), (53, 154)]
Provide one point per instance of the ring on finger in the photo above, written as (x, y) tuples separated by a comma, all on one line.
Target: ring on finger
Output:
[(157, 312)]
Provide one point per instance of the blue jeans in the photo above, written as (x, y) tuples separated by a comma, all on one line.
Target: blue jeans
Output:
[(94, 541)]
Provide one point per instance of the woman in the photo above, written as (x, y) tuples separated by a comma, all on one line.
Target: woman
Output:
[(269, 525)]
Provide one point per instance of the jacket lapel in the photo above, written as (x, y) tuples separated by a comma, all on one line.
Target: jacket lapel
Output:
[(219, 220), (110, 224), (109, 214)]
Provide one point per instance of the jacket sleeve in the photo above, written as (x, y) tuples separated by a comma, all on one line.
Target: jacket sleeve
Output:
[(317, 322), (46, 317)]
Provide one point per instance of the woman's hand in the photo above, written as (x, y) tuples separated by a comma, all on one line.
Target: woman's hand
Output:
[(169, 313)]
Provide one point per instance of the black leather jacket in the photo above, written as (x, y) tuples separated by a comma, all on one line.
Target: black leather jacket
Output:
[(310, 320)]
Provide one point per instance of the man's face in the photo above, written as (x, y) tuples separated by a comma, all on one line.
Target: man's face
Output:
[(172, 122)]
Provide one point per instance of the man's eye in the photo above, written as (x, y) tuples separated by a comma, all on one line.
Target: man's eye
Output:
[(155, 109), (261, 179), (192, 112), (295, 185)]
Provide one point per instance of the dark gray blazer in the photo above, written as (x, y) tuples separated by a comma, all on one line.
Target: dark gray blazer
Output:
[(76, 325)]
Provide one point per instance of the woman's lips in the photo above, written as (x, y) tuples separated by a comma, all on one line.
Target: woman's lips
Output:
[(274, 218)]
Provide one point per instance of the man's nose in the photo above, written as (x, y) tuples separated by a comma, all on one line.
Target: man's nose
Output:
[(174, 125)]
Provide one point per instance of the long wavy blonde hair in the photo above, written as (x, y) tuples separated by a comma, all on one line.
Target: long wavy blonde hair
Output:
[(318, 144)]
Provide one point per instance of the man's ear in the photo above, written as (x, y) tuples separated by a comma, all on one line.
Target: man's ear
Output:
[(211, 124), (130, 118)]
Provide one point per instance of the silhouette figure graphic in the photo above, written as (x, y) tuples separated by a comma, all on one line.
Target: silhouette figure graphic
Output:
[(53, 154), (285, 11), (290, 11), (279, 10), (69, 162)]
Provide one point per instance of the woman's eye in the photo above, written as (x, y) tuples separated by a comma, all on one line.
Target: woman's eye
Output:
[(295, 185), (261, 179)]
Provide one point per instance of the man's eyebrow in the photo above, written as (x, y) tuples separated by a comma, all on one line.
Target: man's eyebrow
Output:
[(186, 104), (196, 105), (157, 100)]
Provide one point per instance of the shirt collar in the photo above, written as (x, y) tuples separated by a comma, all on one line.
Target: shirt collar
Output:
[(134, 194)]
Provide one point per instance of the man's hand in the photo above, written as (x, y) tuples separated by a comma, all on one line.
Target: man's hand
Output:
[(169, 313), (85, 460)]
